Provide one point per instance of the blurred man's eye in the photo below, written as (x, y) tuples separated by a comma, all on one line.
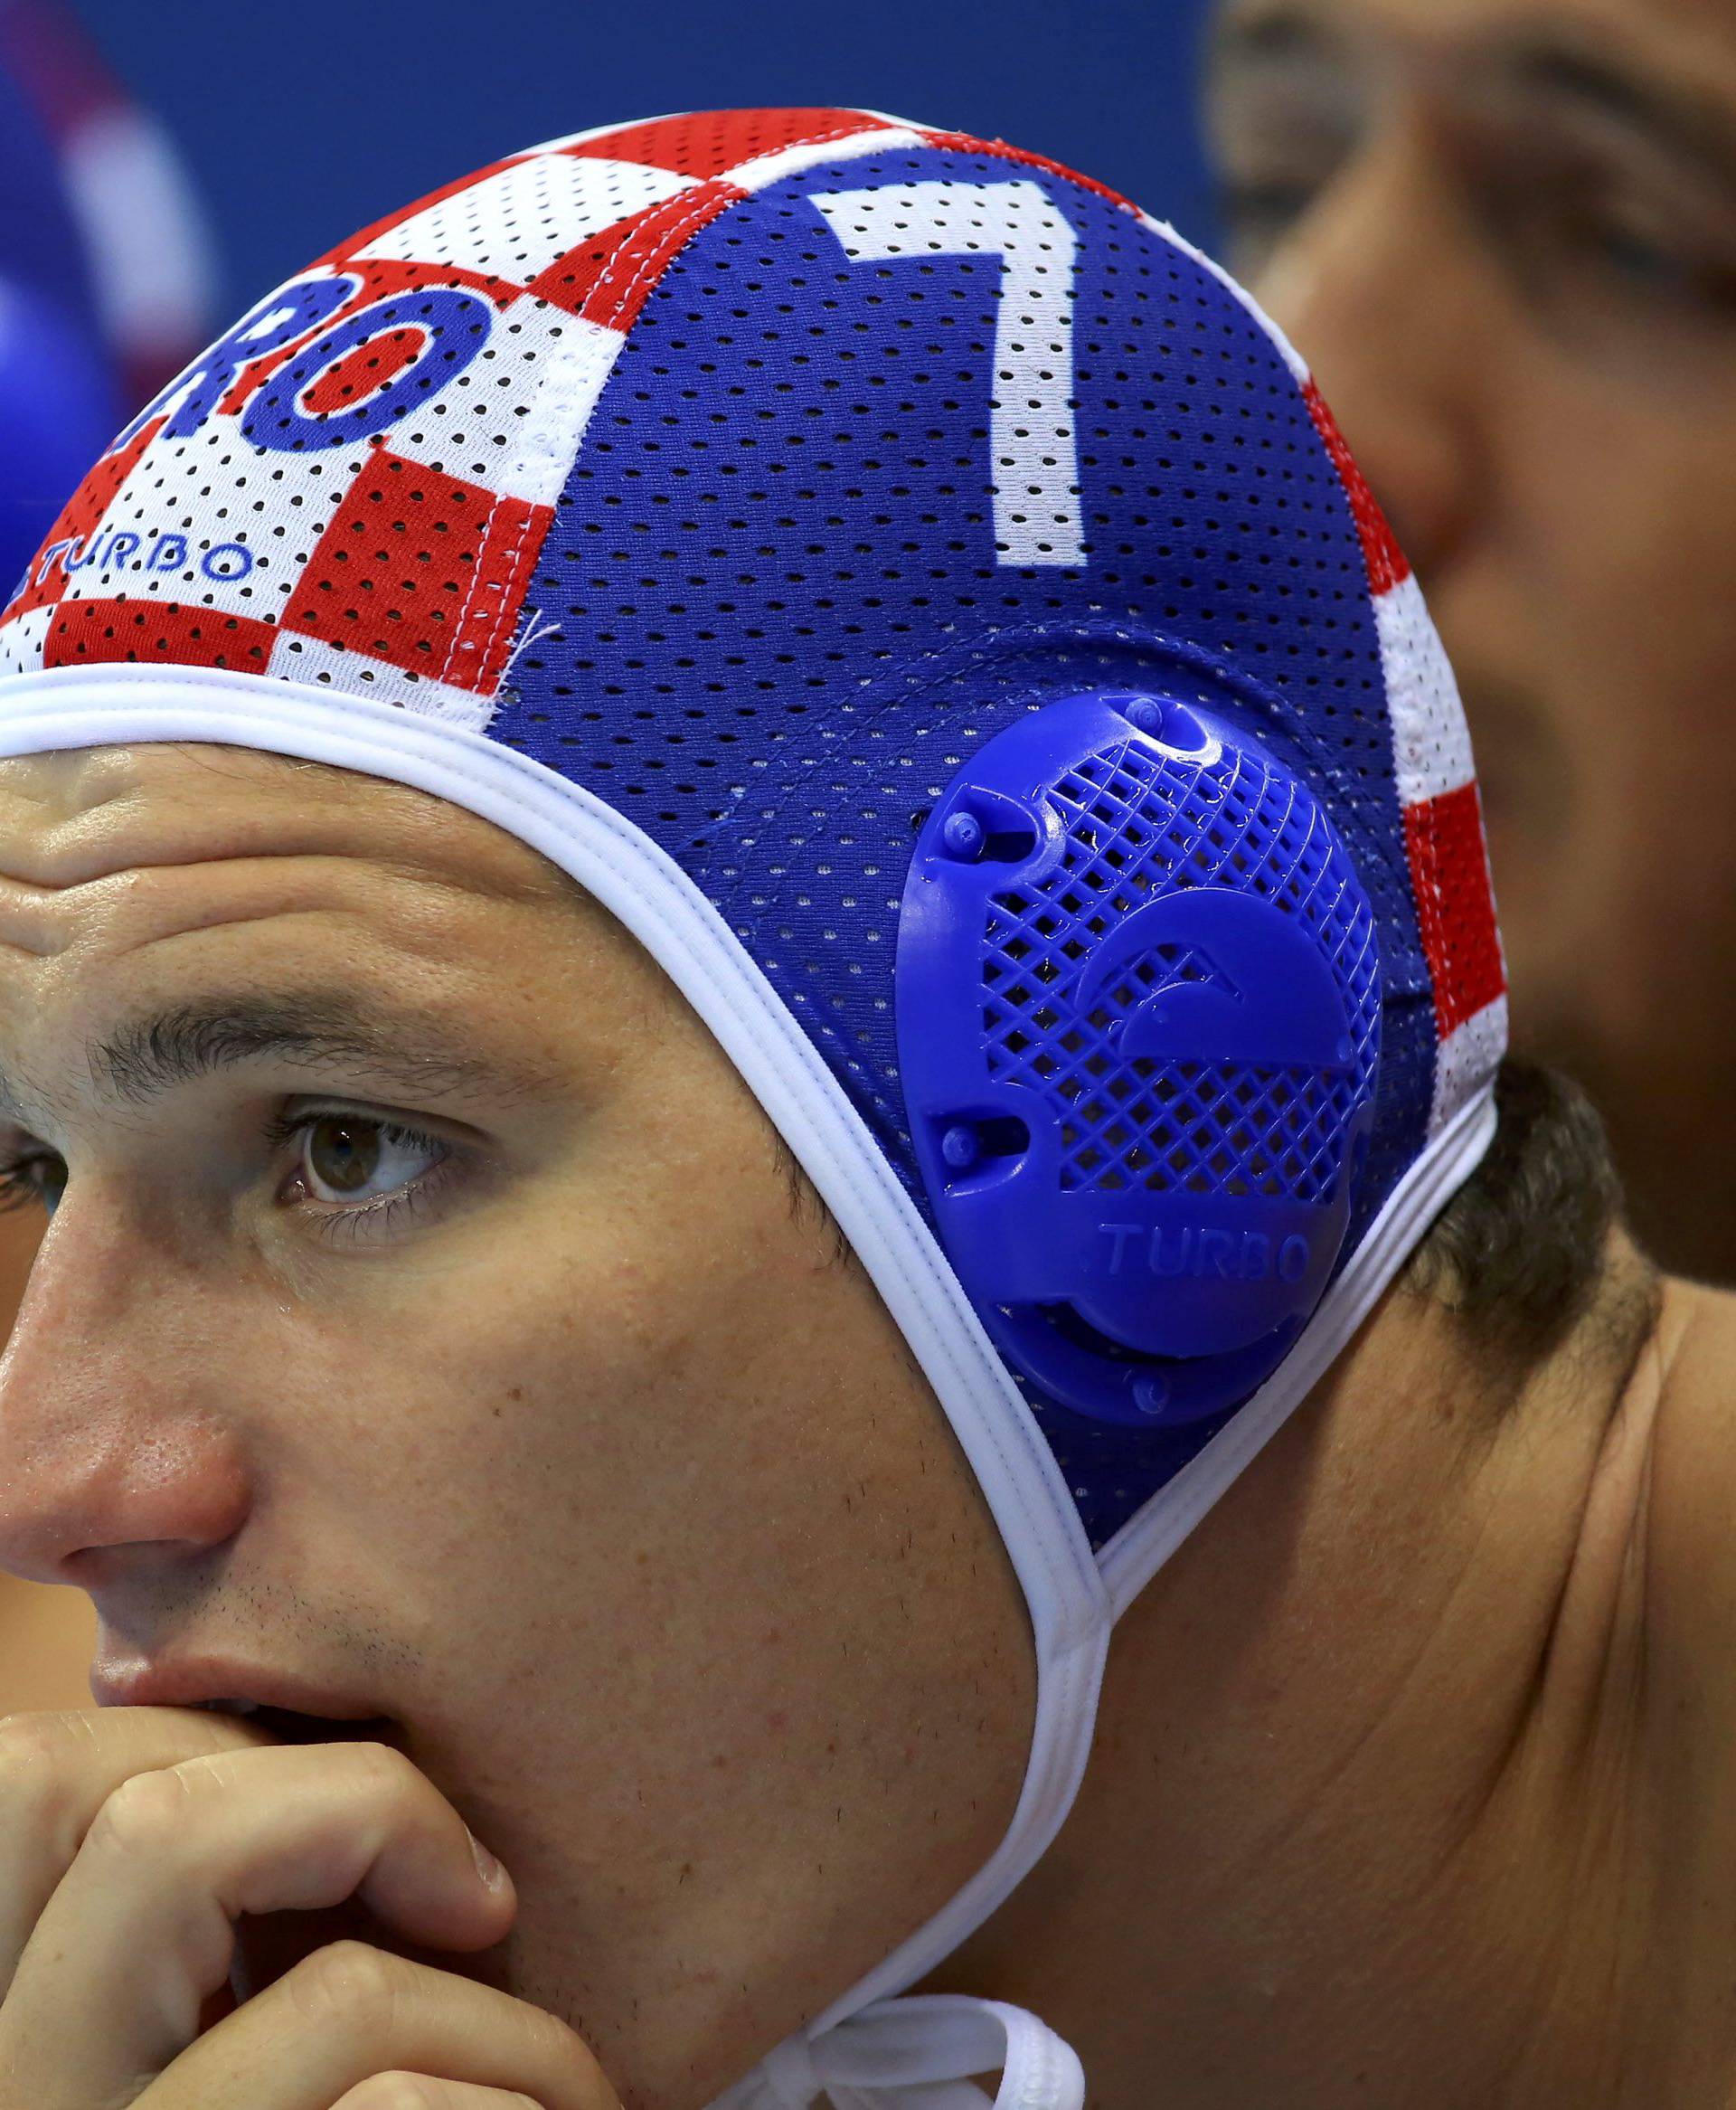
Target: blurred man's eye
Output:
[(1654, 268), (1641, 249), (1275, 154), (1603, 252), (1286, 111), (36, 1176), (1257, 217)]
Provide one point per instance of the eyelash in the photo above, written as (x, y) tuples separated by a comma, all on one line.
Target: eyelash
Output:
[(336, 1220), (17, 1191), (331, 1220)]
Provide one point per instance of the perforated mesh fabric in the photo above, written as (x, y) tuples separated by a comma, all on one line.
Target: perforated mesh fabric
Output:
[(1138, 824), (753, 469)]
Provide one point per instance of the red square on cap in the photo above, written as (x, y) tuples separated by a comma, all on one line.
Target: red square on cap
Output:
[(713, 142), (609, 278), (1449, 872), (422, 570), (174, 633), (47, 579)]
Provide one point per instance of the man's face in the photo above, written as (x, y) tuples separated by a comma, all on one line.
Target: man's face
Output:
[(1506, 236), (425, 1313)]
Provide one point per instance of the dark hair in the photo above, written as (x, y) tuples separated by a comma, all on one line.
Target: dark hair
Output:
[(1521, 1254)]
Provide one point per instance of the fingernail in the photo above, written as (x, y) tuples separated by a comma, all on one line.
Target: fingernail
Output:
[(487, 1867)]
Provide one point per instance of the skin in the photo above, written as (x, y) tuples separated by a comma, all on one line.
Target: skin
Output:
[(1506, 238), (1409, 1781)]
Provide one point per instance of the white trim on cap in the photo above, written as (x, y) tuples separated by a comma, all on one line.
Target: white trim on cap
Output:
[(637, 883)]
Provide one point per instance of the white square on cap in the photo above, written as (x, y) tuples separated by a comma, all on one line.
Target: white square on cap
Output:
[(517, 222)]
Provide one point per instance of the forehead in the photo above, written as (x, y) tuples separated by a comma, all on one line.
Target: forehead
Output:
[(74, 817), (136, 875)]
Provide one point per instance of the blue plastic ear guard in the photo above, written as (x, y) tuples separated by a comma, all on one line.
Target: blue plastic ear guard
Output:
[(1138, 1027)]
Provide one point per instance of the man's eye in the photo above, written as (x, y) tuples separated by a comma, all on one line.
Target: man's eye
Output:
[(346, 1157), (1596, 244), (1257, 218), (1636, 252), (39, 1179), (1263, 211)]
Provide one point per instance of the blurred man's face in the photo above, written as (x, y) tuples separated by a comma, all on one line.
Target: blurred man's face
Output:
[(424, 1314), (1504, 235)]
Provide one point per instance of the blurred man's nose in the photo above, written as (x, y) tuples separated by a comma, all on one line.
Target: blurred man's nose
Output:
[(1380, 288), (114, 1455)]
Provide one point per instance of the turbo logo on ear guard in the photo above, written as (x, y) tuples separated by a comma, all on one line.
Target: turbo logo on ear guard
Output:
[(1138, 1027)]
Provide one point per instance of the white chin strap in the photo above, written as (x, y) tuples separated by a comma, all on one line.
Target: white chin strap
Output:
[(918, 2053)]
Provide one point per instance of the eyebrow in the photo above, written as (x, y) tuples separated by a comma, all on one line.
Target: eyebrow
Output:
[(1571, 70), (1274, 31), (332, 1030), (1678, 120)]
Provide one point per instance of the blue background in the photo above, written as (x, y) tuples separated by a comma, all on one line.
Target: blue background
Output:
[(303, 121)]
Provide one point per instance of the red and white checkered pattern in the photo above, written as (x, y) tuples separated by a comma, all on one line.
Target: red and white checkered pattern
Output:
[(1432, 763), (399, 567), (1443, 814)]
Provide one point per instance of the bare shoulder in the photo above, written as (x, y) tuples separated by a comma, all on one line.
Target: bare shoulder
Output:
[(1683, 1712), (1691, 1500), (1677, 1699)]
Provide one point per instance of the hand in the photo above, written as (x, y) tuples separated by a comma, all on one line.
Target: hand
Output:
[(131, 1840)]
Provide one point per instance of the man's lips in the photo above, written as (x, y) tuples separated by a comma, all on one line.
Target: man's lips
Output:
[(298, 1709)]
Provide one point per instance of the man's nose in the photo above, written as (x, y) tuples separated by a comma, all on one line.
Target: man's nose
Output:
[(1382, 288), (113, 1452)]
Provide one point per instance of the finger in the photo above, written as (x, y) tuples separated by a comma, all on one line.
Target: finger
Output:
[(417, 2091), (350, 2015), (141, 1930), (58, 1770)]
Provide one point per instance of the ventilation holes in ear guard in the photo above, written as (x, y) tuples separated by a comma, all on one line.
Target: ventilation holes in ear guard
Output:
[(1138, 1027)]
